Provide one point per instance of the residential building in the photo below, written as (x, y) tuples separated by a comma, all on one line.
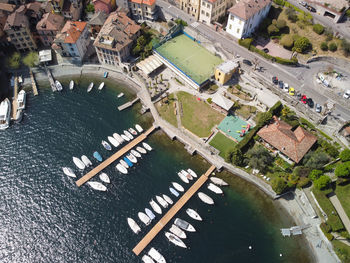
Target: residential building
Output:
[(17, 2), (105, 6), (293, 144), (334, 10), (191, 7), (73, 40), (114, 42), (96, 22), (6, 9), (245, 16), (17, 28), (122, 4), (3, 37), (211, 10), (48, 27), (72, 9), (221, 103), (144, 9), (57, 5), (224, 71)]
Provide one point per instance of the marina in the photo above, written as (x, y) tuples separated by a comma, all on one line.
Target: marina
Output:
[(128, 104)]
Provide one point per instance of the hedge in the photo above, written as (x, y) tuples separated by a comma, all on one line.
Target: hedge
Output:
[(245, 42), (287, 4)]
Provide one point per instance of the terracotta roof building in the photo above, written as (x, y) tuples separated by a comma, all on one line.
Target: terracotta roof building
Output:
[(96, 22), (105, 6), (71, 9), (48, 27), (6, 8), (144, 9), (293, 144), (115, 40)]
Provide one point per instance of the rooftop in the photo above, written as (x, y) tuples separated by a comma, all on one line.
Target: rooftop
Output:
[(7, 7), (50, 22), (222, 101), (71, 31), (45, 55), (98, 19), (228, 66), (336, 5), (145, 2), (17, 19), (245, 9)]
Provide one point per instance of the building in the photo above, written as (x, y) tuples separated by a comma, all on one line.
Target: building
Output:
[(72, 9), (6, 9), (96, 22), (334, 10), (105, 6), (18, 30), (294, 144), (221, 103), (57, 5), (191, 7), (73, 40), (48, 27), (224, 71), (211, 10), (122, 4), (144, 9), (114, 42), (245, 16)]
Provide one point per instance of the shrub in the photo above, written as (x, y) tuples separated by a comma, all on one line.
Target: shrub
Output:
[(329, 148), (287, 41), (236, 157), (278, 185), (343, 170), (181, 22), (291, 14), (324, 46), (245, 42), (329, 236), (170, 23), (281, 23), (302, 171), (209, 100), (325, 228), (333, 47), (302, 44), (14, 61), (345, 45), (284, 61), (322, 182), (259, 158), (303, 181), (279, 2), (315, 174), (345, 155), (329, 34), (317, 28), (316, 160), (90, 8), (272, 30)]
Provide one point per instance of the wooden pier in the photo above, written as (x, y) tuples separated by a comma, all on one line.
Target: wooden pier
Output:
[(128, 104), (14, 99), (35, 89), (51, 80), (172, 212), (114, 157)]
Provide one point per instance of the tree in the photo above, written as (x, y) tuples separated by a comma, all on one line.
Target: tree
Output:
[(316, 160), (302, 44), (14, 61), (263, 118), (228, 156), (181, 22), (287, 41), (345, 155), (90, 8), (272, 30), (237, 157), (317, 28), (278, 185), (259, 158), (322, 182), (286, 111), (141, 41), (281, 23), (330, 149), (291, 14), (315, 174), (333, 47), (31, 59), (324, 46), (136, 50), (343, 170)]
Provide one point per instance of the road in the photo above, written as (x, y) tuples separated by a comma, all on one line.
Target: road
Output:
[(297, 77)]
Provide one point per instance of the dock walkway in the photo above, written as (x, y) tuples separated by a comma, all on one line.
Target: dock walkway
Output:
[(128, 104), (14, 99), (114, 157), (172, 211), (51, 80), (35, 88)]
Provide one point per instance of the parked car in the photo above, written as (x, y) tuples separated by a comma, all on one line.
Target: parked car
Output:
[(318, 108), (310, 102), (247, 62), (291, 91), (266, 50), (303, 99), (285, 87), (303, 3), (280, 84), (346, 94), (274, 80), (311, 9)]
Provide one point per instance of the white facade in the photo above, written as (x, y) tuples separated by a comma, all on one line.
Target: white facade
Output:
[(211, 10)]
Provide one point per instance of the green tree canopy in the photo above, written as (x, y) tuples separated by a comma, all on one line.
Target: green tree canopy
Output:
[(333, 47), (316, 160), (291, 14), (90, 8), (319, 29), (272, 29), (287, 41), (302, 44), (324, 46), (278, 185), (322, 182), (343, 169), (281, 23), (31, 59), (237, 157), (263, 118), (345, 155), (14, 61), (259, 158), (315, 174)]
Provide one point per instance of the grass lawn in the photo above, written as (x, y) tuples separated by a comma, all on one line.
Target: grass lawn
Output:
[(198, 117), (245, 111), (342, 250), (167, 110), (222, 143), (343, 194)]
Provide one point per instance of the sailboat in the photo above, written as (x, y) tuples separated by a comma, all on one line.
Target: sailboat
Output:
[(192, 213), (175, 240)]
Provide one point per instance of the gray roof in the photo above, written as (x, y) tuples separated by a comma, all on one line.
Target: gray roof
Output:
[(98, 19), (222, 101), (228, 66)]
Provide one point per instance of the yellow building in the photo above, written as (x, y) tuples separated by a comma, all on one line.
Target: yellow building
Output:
[(224, 71)]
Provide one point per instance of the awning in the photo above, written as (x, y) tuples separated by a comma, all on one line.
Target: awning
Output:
[(149, 65)]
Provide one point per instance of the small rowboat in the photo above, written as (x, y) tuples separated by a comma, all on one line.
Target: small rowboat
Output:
[(173, 191), (105, 75), (128, 134), (162, 202), (134, 227), (120, 95), (183, 178), (191, 172), (144, 218), (90, 87), (113, 141), (168, 199), (177, 231), (101, 86), (136, 154), (212, 187), (123, 163), (106, 145), (58, 85), (205, 198), (118, 138), (71, 84), (86, 160), (146, 146), (97, 186), (121, 168), (218, 181), (178, 187), (79, 163), (124, 137), (97, 156), (150, 213), (155, 207), (147, 259)]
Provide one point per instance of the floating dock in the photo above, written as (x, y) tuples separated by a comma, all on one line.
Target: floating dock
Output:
[(35, 89), (172, 211), (114, 157), (128, 104), (14, 99)]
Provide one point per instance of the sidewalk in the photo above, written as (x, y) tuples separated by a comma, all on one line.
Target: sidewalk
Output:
[(340, 210)]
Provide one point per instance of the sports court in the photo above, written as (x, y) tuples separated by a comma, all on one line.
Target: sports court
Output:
[(233, 126), (190, 57)]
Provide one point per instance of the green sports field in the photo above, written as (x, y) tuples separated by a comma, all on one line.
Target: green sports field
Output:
[(190, 57)]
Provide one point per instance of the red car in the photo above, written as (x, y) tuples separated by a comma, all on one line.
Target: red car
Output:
[(303, 99)]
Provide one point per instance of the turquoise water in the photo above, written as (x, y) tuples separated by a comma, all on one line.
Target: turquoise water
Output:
[(46, 218)]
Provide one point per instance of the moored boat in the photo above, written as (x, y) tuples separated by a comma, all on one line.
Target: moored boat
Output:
[(147, 146), (183, 177), (105, 74), (175, 240), (177, 231), (147, 259), (184, 225), (101, 86), (132, 131), (133, 225), (78, 163), (191, 172), (104, 178), (132, 158), (212, 187), (124, 137), (141, 150), (178, 187), (218, 181), (19, 116), (168, 199), (192, 213), (86, 160), (185, 173), (97, 186), (71, 84), (128, 134), (128, 162), (155, 207), (68, 171), (161, 201), (121, 94), (118, 138), (106, 145), (173, 191), (113, 141), (124, 163), (97, 156), (121, 168), (136, 154), (91, 85), (138, 128), (58, 85), (150, 213), (205, 198), (156, 255), (144, 218), (21, 100), (5, 110)]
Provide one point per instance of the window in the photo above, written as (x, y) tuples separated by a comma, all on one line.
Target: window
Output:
[(238, 30), (203, 4), (202, 12), (240, 22), (207, 14), (230, 26)]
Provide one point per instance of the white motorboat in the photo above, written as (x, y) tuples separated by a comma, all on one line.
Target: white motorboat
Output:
[(131, 157), (5, 110), (146, 146), (141, 150), (132, 131), (138, 128), (97, 186), (118, 138), (183, 177), (218, 181), (150, 213), (21, 100), (136, 154), (178, 187), (147, 259), (86, 160), (121, 94), (121, 168), (175, 240), (133, 225), (71, 84), (191, 172), (128, 134), (101, 86), (106, 145), (123, 163), (113, 141), (173, 191), (90, 87), (68, 171), (58, 85), (177, 231), (144, 218), (184, 225), (192, 213), (156, 255), (104, 178), (168, 199), (185, 173), (19, 116), (78, 163), (212, 187), (162, 202), (205, 198), (124, 137), (155, 207)]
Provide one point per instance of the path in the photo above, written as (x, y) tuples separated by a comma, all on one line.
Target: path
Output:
[(340, 210), (14, 99)]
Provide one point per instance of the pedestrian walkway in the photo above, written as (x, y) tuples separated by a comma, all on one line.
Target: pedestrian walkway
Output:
[(340, 210)]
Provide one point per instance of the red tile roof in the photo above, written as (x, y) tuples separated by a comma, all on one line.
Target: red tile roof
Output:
[(245, 9), (7, 7), (294, 144), (73, 30), (146, 2), (50, 22)]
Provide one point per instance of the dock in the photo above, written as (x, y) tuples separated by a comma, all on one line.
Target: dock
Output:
[(172, 212), (114, 157), (35, 88), (128, 104), (51, 80), (14, 99)]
